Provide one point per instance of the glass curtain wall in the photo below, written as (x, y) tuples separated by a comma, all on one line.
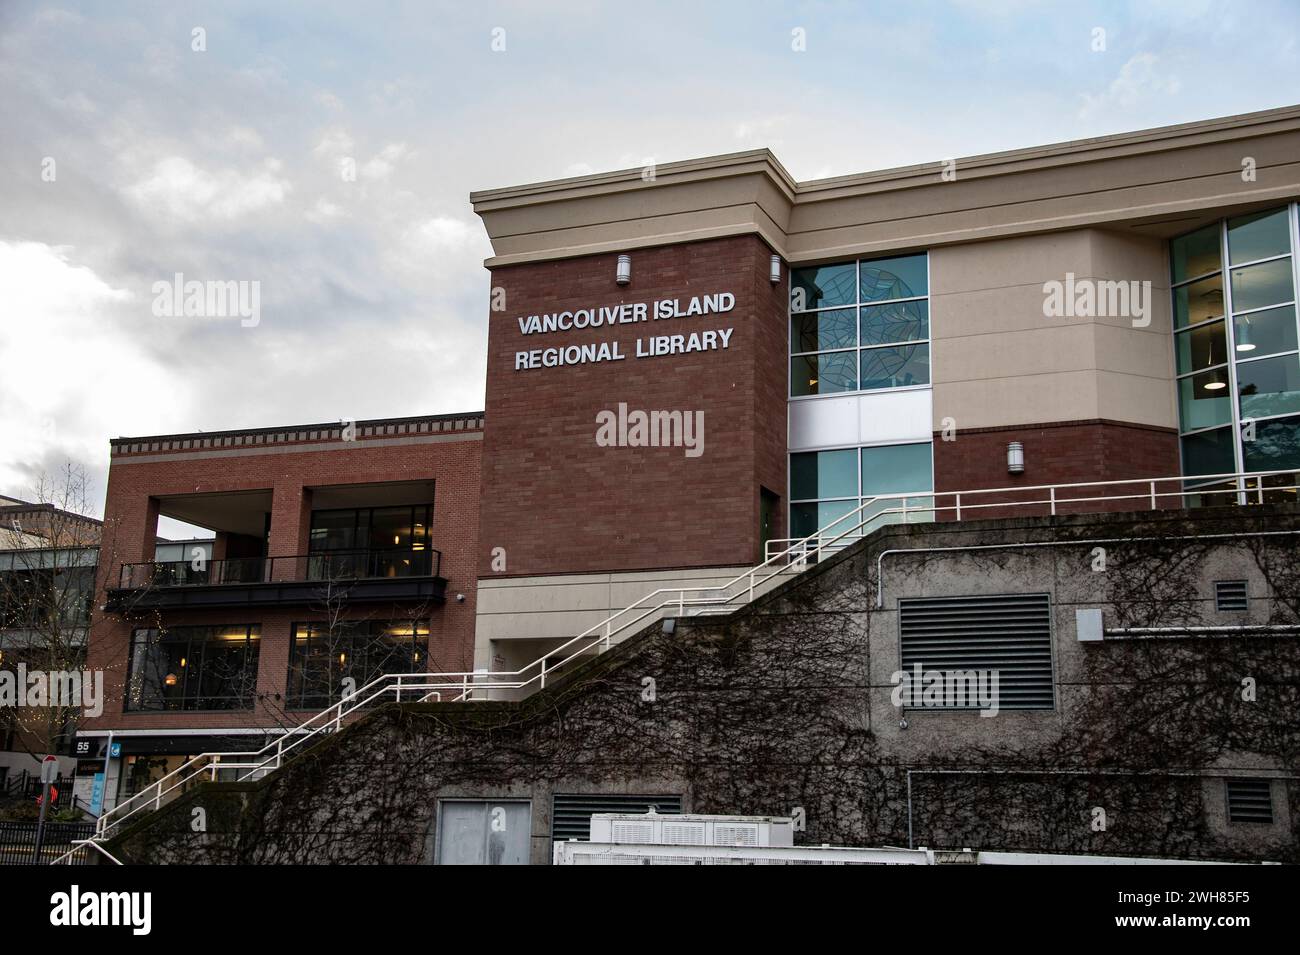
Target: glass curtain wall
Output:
[(1235, 352)]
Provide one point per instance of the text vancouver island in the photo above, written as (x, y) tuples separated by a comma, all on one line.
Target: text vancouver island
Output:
[(610, 316)]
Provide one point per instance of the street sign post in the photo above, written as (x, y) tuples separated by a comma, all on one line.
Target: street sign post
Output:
[(49, 772)]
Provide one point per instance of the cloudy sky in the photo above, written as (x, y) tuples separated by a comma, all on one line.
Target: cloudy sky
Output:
[(128, 156)]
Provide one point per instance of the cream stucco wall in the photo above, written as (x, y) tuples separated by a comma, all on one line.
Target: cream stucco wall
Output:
[(998, 360)]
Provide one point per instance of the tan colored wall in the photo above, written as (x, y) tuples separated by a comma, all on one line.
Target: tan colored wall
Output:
[(998, 360), (530, 611)]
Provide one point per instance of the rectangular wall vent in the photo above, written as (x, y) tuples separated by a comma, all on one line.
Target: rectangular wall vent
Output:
[(1009, 633), (1230, 595), (571, 814), (1250, 800)]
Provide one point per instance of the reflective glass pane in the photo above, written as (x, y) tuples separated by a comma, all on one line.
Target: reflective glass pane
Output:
[(1198, 301), (1264, 333), (895, 322), (896, 469), (1270, 386), (1258, 285), (1209, 453), (807, 519), (1195, 254), (1202, 407), (900, 277), (390, 527), (895, 367), (1201, 347), (824, 374), (822, 331), (817, 474), (1258, 236), (333, 530), (1276, 446), (823, 287)]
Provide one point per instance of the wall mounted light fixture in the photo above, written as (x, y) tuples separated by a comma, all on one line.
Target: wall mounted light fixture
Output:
[(1015, 458), (774, 271), (624, 274)]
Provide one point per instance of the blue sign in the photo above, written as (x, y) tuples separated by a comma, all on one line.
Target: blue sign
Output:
[(97, 795), (115, 750)]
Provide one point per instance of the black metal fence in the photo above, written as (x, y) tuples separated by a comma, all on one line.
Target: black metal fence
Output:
[(18, 842), (28, 785)]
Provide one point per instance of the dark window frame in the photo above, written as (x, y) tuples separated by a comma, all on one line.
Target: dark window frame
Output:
[(189, 702), (357, 636)]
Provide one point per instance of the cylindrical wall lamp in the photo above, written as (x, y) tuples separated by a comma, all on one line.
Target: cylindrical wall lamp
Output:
[(624, 274), (774, 271), (1015, 458)]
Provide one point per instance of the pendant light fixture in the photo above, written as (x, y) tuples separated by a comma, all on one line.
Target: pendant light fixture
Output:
[(1214, 384), (1243, 340)]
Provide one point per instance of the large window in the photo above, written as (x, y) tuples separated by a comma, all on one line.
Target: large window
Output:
[(1235, 345), (370, 542), (326, 662), (860, 326), (825, 485), (193, 668)]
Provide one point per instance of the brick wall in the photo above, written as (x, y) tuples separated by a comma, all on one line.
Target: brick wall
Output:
[(137, 481), (556, 501), (1063, 452)]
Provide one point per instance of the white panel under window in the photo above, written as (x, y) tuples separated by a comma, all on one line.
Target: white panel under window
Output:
[(895, 417), (892, 417)]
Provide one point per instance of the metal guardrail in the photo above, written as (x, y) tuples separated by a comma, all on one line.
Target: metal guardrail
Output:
[(724, 598), (375, 564), (1243, 488)]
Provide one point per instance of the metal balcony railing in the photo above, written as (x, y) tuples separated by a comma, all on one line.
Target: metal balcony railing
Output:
[(790, 559), (323, 566)]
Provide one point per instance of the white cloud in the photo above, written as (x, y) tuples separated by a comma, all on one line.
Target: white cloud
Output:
[(74, 374), (184, 191), (1142, 77), (381, 165), (336, 142)]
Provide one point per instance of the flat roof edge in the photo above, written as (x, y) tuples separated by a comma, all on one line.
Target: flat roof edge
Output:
[(319, 426), (578, 186)]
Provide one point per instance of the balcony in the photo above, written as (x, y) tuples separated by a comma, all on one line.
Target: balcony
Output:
[(321, 579)]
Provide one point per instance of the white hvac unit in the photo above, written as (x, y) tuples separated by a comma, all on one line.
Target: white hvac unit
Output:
[(625, 828)]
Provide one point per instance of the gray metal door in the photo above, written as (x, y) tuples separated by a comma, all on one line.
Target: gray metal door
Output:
[(473, 832)]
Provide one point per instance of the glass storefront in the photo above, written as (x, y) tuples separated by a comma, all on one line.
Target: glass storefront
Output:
[(325, 661), (193, 668)]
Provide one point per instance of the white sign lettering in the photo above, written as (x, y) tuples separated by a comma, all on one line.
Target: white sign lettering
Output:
[(626, 313)]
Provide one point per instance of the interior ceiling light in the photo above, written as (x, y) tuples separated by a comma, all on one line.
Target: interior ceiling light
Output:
[(1243, 340), (1215, 383)]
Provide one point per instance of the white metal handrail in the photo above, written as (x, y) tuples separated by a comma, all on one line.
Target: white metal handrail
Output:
[(470, 685), (86, 844)]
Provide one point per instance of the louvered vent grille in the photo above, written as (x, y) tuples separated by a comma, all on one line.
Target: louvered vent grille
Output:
[(571, 814), (1009, 633), (1249, 800), (1230, 595)]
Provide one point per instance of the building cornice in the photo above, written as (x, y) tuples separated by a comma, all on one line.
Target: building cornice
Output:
[(1170, 173)]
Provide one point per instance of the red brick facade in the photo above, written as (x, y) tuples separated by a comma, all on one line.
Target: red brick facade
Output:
[(1063, 452), (290, 471), (559, 503)]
